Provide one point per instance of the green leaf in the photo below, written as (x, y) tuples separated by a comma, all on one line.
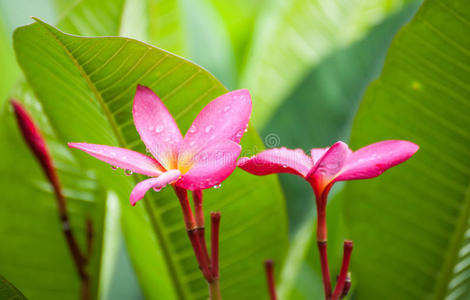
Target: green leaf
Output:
[(294, 36), (8, 291), (91, 101), (195, 30), (411, 225), (35, 255)]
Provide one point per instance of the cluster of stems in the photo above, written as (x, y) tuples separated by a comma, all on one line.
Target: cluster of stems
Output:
[(37, 145), (194, 222), (343, 283)]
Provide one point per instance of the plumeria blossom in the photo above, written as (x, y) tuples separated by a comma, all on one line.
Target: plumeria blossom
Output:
[(203, 158), (325, 166)]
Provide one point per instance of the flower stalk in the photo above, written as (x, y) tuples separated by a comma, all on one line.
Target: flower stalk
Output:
[(269, 268), (37, 145), (209, 266), (343, 274)]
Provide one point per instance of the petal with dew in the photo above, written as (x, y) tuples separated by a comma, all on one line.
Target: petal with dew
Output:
[(277, 160), (328, 166), (156, 126), (373, 160), (208, 167), (225, 118), (122, 158), (158, 182)]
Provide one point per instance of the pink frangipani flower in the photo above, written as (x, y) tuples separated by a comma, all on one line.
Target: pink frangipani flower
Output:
[(325, 166), (203, 158)]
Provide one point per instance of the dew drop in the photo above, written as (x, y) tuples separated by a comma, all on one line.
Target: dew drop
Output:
[(226, 108), (284, 166), (208, 128), (204, 156), (157, 189), (114, 167), (128, 172), (159, 129), (239, 134), (217, 186), (192, 129), (192, 143)]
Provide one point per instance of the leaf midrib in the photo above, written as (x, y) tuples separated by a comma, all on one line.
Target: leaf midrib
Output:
[(179, 287)]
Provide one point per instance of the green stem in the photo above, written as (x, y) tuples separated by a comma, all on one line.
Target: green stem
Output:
[(214, 290)]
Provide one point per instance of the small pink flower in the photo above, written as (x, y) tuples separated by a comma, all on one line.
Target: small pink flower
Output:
[(203, 158), (326, 166)]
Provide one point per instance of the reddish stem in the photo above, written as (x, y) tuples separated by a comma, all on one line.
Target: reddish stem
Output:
[(199, 214), (188, 217), (215, 225), (347, 286), (343, 274), (269, 266), (325, 270), (198, 211), (195, 234)]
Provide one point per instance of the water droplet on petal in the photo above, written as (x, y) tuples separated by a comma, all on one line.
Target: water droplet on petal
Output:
[(226, 108), (239, 134), (157, 189), (159, 129), (192, 129), (128, 172), (192, 143), (204, 156), (114, 167), (209, 128), (217, 186), (284, 166)]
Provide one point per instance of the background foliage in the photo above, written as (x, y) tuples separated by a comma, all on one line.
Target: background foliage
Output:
[(307, 64)]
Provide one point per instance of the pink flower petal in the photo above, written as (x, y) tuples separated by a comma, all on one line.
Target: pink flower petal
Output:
[(278, 160), (373, 160), (225, 118), (317, 153), (156, 127), (328, 166), (122, 158), (158, 182), (208, 167)]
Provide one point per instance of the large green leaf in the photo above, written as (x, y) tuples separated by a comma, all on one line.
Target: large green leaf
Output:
[(411, 225), (293, 36), (91, 101)]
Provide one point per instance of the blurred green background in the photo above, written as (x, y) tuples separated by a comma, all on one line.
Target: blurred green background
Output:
[(309, 65)]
